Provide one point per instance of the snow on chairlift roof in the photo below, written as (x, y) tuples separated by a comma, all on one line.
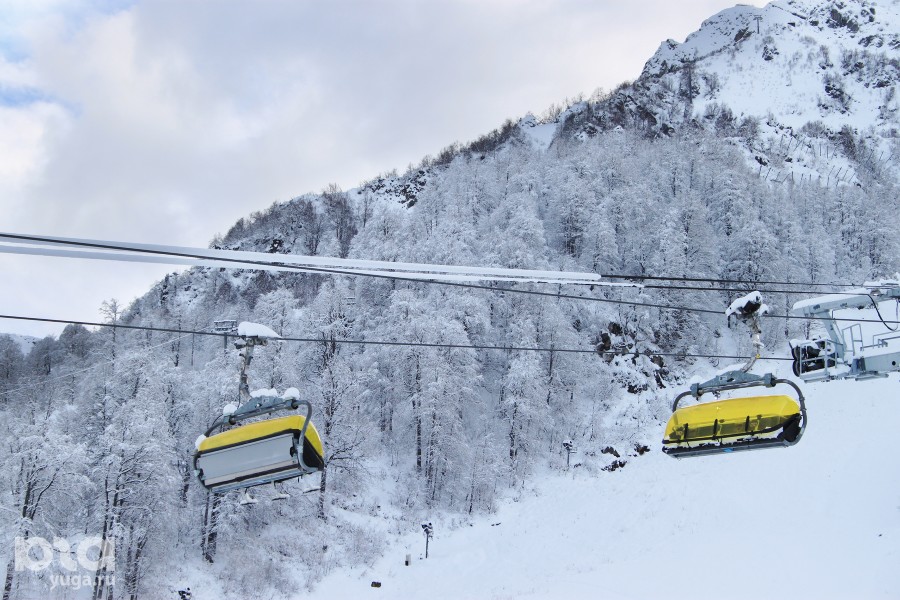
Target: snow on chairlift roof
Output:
[(256, 330), (752, 298)]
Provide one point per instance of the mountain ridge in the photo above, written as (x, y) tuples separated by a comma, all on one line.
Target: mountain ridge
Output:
[(807, 93)]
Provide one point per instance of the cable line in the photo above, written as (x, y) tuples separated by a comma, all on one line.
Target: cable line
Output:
[(305, 268), (702, 279), (391, 343), (739, 290)]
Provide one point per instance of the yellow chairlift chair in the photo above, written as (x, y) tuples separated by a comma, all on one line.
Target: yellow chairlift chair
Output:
[(729, 425), (733, 424), (261, 452)]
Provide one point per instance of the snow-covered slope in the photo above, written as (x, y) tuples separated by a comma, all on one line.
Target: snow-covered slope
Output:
[(800, 60), (806, 88), (819, 520), (540, 135)]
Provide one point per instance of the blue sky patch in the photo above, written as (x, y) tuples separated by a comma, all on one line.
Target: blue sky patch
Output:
[(22, 96)]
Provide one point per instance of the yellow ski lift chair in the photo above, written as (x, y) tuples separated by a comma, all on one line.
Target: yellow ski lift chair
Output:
[(749, 423), (258, 453)]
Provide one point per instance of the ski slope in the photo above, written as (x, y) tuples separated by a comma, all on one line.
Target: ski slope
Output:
[(818, 520)]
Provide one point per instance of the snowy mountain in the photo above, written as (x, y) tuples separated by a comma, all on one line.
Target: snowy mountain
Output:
[(806, 88), (810, 72), (741, 154), (804, 61)]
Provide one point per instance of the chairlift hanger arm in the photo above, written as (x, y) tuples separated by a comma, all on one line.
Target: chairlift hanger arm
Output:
[(258, 407), (732, 380)]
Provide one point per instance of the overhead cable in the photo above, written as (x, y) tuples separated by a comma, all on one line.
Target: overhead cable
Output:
[(388, 342), (707, 280), (394, 277)]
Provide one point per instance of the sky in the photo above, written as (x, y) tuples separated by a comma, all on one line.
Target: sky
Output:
[(166, 121)]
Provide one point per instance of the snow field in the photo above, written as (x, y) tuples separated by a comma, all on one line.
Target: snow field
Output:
[(819, 520)]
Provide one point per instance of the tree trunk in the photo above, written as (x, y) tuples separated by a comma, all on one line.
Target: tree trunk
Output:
[(98, 578), (512, 432), (212, 528), (7, 586), (185, 468), (550, 374), (431, 470), (322, 487), (418, 417), (133, 565), (110, 518)]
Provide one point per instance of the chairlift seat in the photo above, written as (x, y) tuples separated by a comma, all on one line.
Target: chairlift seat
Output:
[(259, 453), (733, 424)]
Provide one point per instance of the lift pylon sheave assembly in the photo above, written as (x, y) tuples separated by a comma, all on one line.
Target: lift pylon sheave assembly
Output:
[(735, 424), (262, 452), (842, 353)]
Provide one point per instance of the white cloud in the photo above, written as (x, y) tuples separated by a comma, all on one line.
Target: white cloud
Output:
[(23, 144)]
